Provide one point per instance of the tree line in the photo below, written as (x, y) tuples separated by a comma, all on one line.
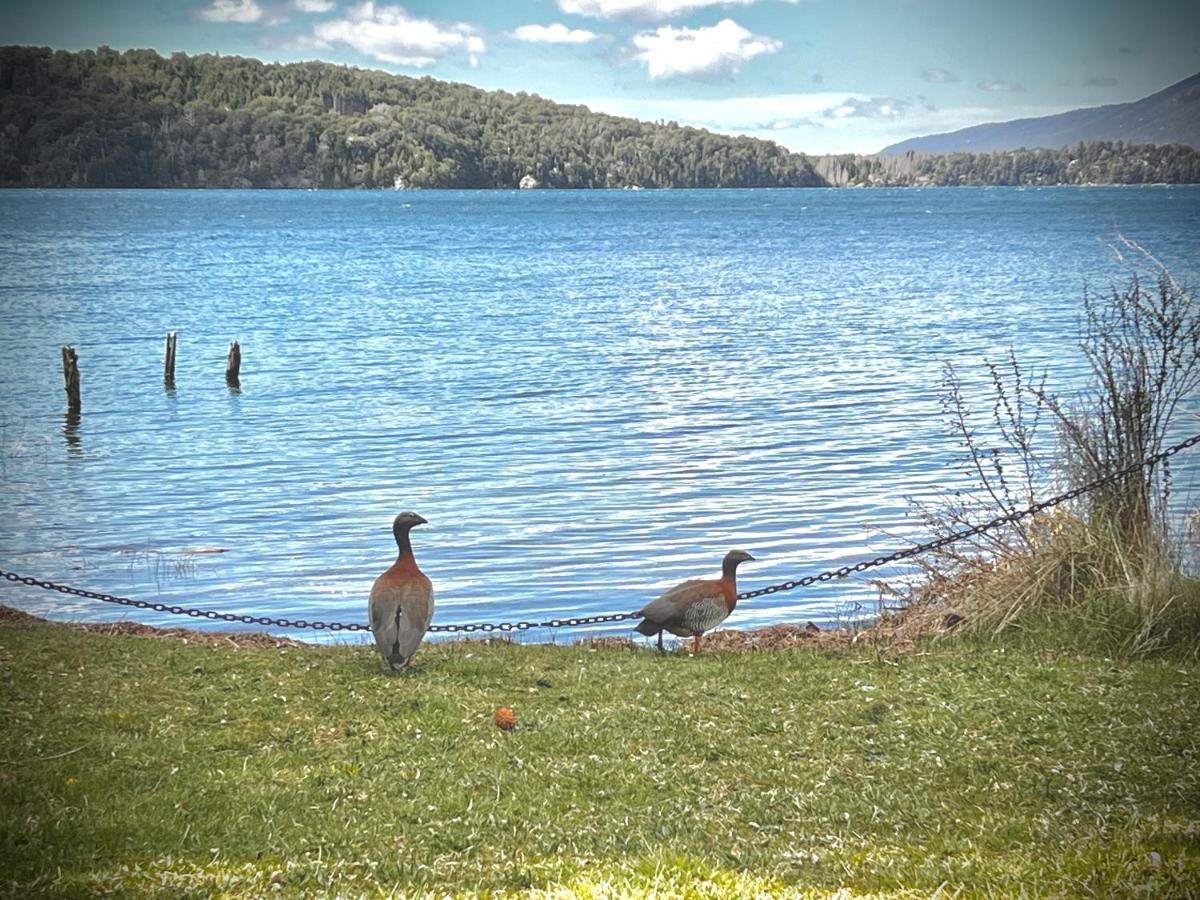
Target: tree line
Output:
[(1091, 162), (108, 119), (102, 118)]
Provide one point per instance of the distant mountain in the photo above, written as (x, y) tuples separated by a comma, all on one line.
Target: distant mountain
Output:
[(1172, 116)]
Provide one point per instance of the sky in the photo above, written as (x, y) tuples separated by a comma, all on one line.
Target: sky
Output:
[(817, 76)]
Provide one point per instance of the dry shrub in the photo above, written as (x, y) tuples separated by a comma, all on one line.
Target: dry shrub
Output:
[(1143, 346), (1108, 567), (1077, 581)]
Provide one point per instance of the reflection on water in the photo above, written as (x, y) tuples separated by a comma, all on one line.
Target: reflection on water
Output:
[(70, 431), (590, 396)]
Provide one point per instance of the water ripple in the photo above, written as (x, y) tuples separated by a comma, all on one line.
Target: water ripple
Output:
[(589, 395)]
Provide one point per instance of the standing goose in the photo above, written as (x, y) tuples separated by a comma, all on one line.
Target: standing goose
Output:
[(401, 600), (693, 607)]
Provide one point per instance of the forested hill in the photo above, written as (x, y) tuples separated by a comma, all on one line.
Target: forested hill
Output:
[(135, 119)]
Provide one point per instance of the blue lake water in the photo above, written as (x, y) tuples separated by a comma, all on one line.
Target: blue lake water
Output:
[(589, 395)]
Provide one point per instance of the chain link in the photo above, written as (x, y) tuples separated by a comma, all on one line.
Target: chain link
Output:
[(575, 621)]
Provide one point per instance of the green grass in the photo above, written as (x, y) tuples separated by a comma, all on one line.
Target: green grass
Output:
[(152, 768)]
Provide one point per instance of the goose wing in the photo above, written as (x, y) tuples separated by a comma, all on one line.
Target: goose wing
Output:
[(400, 612), (687, 607)]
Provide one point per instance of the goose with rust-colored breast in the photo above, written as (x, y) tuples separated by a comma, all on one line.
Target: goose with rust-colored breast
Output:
[(696, 606), (401, 604)]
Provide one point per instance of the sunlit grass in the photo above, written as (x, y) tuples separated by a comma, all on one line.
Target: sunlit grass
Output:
[(150, 767)]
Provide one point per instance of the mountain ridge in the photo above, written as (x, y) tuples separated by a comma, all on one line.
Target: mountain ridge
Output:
[(1168, 116)]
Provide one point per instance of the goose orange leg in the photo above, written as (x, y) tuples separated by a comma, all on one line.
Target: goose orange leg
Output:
[(696, 644)]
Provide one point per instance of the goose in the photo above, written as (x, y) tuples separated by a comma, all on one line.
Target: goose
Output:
[(693, 607), (401, 604)]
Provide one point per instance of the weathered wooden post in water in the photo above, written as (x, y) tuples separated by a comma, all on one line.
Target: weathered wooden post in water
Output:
[(233, 365), (70, 361), (169, 361)]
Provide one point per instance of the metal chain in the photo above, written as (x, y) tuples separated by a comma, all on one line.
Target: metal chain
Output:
[(302, 623), (525, 626), (183, 610), (954, 536), (574, 621)]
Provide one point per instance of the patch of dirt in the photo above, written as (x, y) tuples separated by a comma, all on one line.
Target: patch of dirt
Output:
[(10, 616), (893, 634), (777, 637)]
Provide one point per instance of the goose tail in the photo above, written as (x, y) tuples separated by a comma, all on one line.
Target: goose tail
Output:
[(648, 628)]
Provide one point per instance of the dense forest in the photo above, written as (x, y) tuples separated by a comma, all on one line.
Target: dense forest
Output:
[(136, 119), (107, 119)]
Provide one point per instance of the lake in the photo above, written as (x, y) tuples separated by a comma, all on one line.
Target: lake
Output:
[(589, 395)]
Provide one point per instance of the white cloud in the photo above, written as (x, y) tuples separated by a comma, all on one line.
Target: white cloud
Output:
[(390, 34), (799, 121), (314, 6), (871, 108), (553, 34), (231, 11), (1001, 87), (647, 10), (670, 51)]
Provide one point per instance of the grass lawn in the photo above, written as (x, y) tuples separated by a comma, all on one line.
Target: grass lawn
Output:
[(154, 767)]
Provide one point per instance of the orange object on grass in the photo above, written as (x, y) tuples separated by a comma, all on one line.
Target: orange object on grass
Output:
[(505, 719)]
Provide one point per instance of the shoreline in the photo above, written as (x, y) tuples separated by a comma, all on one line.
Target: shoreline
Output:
[(891, 631), (596, 190)]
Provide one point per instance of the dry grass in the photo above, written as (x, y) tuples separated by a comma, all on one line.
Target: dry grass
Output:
[(1073, 578)]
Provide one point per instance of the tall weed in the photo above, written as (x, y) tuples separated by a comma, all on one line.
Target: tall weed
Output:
[(1105, 570)]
